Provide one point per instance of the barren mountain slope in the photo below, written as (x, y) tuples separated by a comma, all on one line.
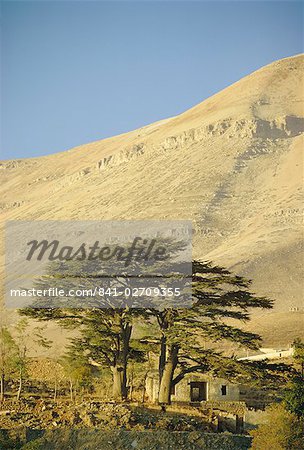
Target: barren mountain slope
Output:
[(233, 165)]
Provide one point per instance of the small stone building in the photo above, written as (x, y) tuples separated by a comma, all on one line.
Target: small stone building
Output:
[(195, 388)]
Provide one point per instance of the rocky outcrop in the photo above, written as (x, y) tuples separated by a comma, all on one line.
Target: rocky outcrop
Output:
[(280, 128)]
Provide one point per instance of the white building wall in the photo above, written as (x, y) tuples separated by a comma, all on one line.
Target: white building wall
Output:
[(183, 389)]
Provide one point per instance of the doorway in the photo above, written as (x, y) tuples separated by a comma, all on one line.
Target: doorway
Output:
[(198, 391)]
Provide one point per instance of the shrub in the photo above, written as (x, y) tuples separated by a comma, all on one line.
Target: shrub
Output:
[(282, 430)]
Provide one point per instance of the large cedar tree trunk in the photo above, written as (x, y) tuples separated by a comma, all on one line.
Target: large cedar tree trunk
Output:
[(164, 395), (118, 388), (162, 357), (119, 369)]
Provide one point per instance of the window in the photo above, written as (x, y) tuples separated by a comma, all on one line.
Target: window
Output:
[(224, 389)]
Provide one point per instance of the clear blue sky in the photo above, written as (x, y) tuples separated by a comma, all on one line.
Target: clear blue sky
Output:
[(74, 72)]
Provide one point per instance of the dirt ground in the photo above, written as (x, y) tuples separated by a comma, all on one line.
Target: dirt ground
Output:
[(43, 414)]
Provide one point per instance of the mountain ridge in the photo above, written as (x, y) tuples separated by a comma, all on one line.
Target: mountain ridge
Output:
[(231, 164)]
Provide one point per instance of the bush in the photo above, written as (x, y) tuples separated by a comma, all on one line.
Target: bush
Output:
[(294, 398), (8, 441), (282, 430)]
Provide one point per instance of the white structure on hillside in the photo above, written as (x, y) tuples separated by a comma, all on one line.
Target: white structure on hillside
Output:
[(269, 353)]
